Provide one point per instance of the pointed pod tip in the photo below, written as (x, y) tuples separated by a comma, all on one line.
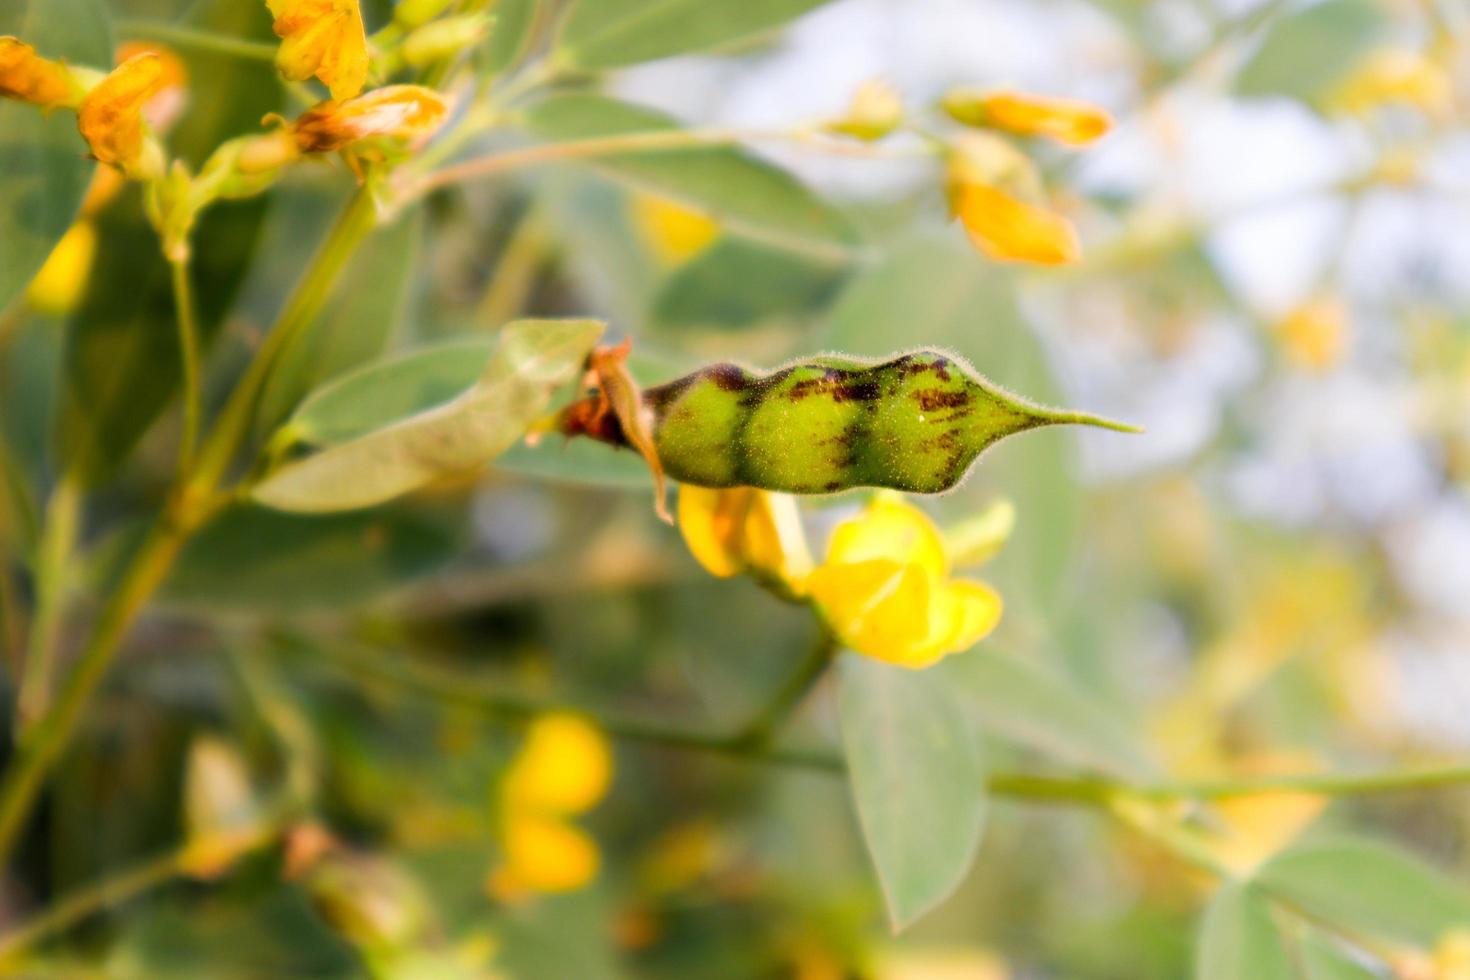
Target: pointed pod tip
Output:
[(1056, 417)]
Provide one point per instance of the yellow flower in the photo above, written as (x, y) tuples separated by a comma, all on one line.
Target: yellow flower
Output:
[(991, 185), (26, 76), (1314, 334), (1452, 956), (60, 284), (565, 767), (876, 111), (1396, 75), (745, 530), (1068, 121), (885, 589), (111, 117), (407, 114), (324, 38), (674, 232), (543, 854), (167, 104), (1010, 230)]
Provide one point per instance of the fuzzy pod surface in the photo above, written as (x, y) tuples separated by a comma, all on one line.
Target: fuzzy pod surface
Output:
[(915, 422)]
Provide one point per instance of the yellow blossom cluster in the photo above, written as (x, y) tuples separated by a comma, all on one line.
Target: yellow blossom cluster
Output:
[(563, 770)]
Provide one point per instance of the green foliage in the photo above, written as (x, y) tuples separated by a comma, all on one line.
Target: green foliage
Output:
[(1304, 54), (615, 33), (1239, 939), (739, 285), (533, 359), (1369, 888), (917, 780), (744, 193)]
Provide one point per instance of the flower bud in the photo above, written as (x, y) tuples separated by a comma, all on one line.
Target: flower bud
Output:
[(876, 111), (1068, 121), (444, 39), (411, 14)]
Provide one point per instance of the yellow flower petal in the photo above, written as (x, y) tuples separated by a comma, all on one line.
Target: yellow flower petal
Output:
[(1009, 230), (60, 284), (325, 38), (1315, 334), (743, 529), (111, 115), (403, 113), (963, 614), (674, 232), (548, 855), (1068, 121), (26, 76), (879, 608), (565, 767), (164, 108), (892, 529)]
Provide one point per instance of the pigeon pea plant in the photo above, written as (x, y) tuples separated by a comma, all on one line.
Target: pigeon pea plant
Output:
[(443, 96)]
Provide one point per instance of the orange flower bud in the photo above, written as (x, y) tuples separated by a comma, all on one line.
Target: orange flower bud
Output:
[(324, 38), (1068, 121), (111, 116), (405, 113), (1010, 230), (26, 76)]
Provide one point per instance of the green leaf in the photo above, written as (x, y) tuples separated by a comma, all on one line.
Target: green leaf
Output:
[(365, 311), (533, 359), (255, 560), (1239, 940), (1323, 958), (513, 22), (43, 170), (1308, 52), (917, 780), (1368, 887), (736, 285), (1022, 700), (746, 194), (615, 33)]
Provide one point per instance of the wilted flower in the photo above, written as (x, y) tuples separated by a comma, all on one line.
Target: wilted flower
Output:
[(26, 76), (1068, 121), (325, 38), (111, 117), (745, 530), (885, 589), (989, 184), (406, 114), (876, 111)]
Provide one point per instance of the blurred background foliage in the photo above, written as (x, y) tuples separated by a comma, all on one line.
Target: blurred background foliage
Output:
[(1275, 579)]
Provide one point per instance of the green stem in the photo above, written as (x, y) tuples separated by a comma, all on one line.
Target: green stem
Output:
[(58, 540), (449, 687), (311, 295), (762, 727), (89, 900), (661, 140), (196, 502), (188, 37), (188, 326)]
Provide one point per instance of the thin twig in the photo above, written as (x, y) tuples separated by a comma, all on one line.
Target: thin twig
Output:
[(188, 330)]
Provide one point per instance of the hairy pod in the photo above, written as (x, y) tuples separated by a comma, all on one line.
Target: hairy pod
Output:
[(915, 422)]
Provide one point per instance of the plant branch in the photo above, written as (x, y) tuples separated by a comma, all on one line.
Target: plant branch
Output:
[(58, 540), (197, 500), (188, 326), (448, 686), (762, 727), (189, 37)]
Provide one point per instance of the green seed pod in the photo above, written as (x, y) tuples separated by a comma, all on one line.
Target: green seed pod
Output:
[(915, 422)]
